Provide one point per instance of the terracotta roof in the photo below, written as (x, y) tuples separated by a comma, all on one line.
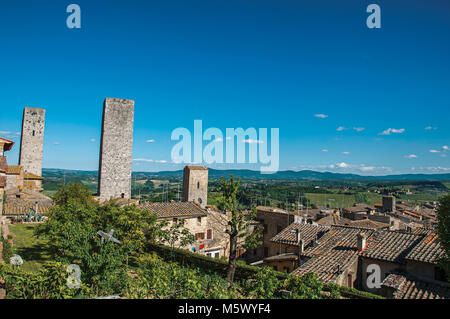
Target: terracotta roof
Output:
[(21, 206), (268, 209), (3, 164), (174, 209), (8, 144), (328, 266), (31, 176), (14, 169), (368, 223), (428, 250), (307, 233), (282, 257), (390, 246), (335, 252), (409, 287)]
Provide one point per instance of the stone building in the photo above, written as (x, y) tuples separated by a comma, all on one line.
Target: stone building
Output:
[(32, 140), (195, 185), (205, 225), (346, 256), (272, 220), (5, 145), (116, 149), (14, 176)]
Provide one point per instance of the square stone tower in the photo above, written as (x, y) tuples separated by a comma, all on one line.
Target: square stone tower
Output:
[(32, 140), (195, 185), (116, 149)]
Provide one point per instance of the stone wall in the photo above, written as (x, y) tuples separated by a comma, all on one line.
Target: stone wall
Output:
[(32, 140), (195, 185), (116, 149)]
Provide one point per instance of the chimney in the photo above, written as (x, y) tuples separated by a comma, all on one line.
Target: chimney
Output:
[(361, 241), (297, 236), (302, 247)]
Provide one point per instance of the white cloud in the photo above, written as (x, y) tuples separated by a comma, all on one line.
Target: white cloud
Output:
[(411, 156), (445, 148), (322, 116), (342, 165), (434, 151), (359, 129), (367, 168), (340, 128), (345, 153), (92, 140), (392, 130), (5, 132), (324, 150), (251, 141), (428, 128), (149, 160), (56, 143), (150, 141)]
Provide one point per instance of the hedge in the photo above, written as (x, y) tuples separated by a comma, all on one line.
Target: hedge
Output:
[(185, 257)]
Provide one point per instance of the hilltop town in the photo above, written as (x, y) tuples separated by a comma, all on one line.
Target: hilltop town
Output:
[(338, 243)]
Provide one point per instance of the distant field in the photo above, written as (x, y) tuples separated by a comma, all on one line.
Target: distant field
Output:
[(368, 198), (334, 200), (446, 184), (31, 249), (419, 197)]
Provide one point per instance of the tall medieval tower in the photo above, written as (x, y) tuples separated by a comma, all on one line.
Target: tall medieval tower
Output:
[(116, 149), (195, 185), (32, 140)]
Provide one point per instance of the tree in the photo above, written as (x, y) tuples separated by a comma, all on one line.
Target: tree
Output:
[(72, 229), (238, 226), (444, 231), (175, 234)]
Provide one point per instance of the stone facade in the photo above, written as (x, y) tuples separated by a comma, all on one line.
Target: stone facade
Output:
[(116, 149), (32, 140), (195, 185)]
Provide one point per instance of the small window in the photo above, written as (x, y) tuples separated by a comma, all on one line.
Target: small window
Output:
[(122, 195), (33, 133), (209, 234), (199, 236), (199, 220), (175, 220), (200, 200), (198, 185)]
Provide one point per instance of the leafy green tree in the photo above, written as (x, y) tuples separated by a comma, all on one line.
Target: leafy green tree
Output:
[(50, 282), (175, 235), (308, 286), (263, 284), (239, 223), (72, 229), (444, 231)]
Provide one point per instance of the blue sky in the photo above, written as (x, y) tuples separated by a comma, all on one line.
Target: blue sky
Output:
[(236, 63)]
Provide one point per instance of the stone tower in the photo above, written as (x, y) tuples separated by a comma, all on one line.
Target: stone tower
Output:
[(116, 149), (195, 185), (32, 140)]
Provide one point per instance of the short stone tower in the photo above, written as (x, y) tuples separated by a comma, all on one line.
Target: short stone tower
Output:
[(32, 140), (116, 149), (195, 185)]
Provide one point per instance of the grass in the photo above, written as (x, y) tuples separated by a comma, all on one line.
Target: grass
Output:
[(334, 200), (32, 249)]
